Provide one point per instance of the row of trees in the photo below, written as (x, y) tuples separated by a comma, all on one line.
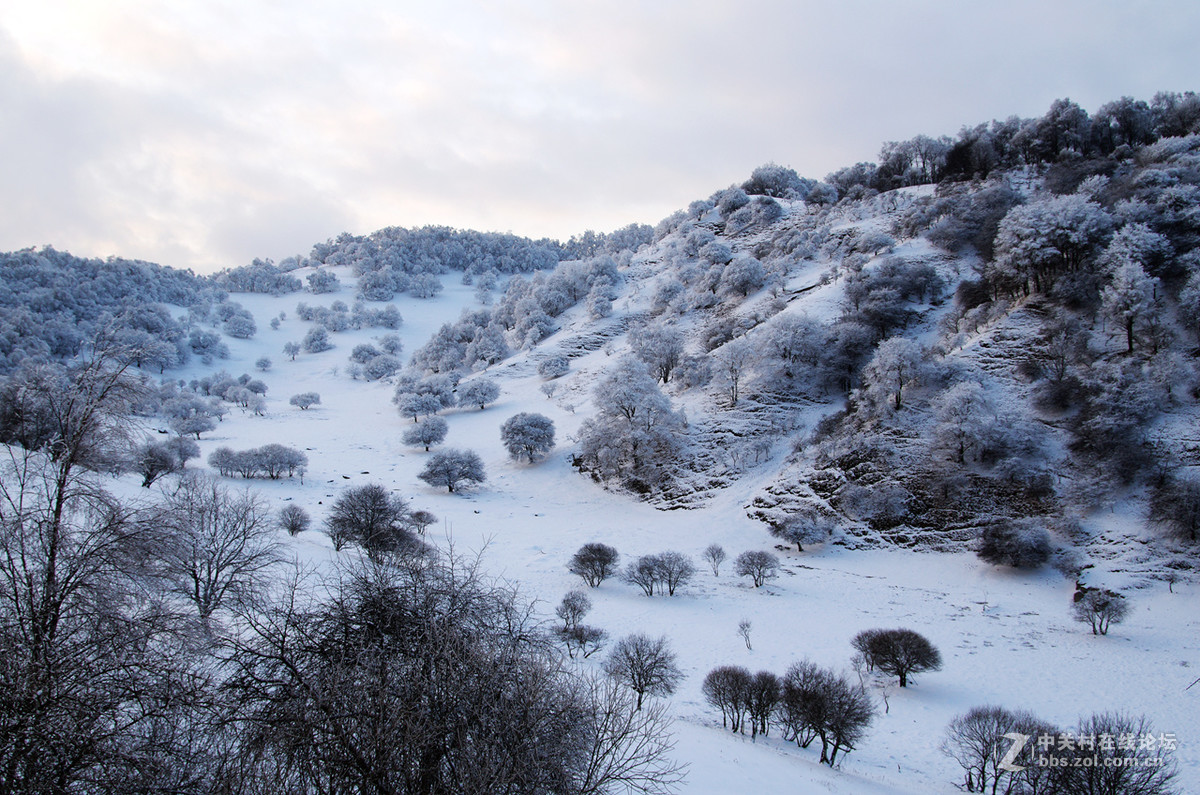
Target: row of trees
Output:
[(423, 397), (668, 571), (1064, 133), (269, 461), (808, 702)]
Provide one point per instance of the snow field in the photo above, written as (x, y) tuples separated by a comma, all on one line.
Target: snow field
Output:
[(1006, 638)]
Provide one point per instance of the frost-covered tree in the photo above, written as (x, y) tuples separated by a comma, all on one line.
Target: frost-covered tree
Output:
[(635, 432), (291, 350), (1038, 241), (527, 435), (964, 417), (554, 366), (897, 365), (305, 400), (451, 468), (363, 353), (323, 281), (479, 391), (1128, 298), (416, 405), (804, 527), (795, 344), (599, 304), (391, 344), (317, 340), (382, 366), (426, 433), (426, 285), (660, 346), (192, 424), (743, 276), (733, 361), (1189, 304), (777, 181)]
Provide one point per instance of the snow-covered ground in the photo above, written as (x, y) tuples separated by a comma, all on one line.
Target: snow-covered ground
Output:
[(1006, 638)]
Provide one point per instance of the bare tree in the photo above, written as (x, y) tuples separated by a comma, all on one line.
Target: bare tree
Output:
[(84, 636), (645, 573), (978, 741), (360, 689), (899, 652), (628, 746), (594, 562), (372, 518), (293, 519), (1100, 608), (220, 544), (714, 555), (764, 692), (574, 606), (727, 688), (675, 570), (154, 459), (421, 521), (744, 627), (645, 665), (1109, 767), (816, 702), (758, 565)]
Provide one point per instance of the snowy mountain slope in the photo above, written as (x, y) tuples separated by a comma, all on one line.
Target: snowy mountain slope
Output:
[(1006, 636)]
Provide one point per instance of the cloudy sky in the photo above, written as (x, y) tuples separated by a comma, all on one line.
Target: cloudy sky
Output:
[(203, 134)]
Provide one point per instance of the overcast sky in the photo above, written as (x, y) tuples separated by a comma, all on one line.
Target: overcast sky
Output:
[(203, 134)]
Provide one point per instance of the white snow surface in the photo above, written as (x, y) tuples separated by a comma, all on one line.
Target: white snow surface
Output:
[(1006, 637)]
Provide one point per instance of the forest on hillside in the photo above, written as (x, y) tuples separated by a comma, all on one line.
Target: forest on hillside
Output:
[(972, 344)]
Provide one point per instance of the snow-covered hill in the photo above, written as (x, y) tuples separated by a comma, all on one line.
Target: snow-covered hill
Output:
[(1006, 635)]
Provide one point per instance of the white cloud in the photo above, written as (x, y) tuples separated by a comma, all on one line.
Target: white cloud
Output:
[(205, 134)]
